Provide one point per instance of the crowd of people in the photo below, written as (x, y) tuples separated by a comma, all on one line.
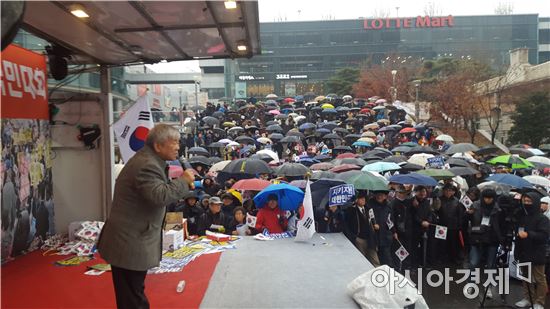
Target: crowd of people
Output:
[(334, 138)]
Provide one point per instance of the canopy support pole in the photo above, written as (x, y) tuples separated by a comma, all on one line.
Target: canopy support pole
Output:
[(107, 142)]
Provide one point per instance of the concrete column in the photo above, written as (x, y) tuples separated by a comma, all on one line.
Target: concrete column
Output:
[(107, 141)]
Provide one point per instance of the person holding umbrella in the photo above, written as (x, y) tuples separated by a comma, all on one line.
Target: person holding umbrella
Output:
[(271, 218)]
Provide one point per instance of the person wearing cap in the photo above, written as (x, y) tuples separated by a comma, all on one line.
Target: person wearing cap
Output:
[(271, 218), (213, 219), (383, 225), (545, 206), (131, 239), (359, 229), (451, 214), (533, 231), (191, 211)]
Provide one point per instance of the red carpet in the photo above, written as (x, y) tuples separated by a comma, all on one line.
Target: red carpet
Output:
[(33, 281)]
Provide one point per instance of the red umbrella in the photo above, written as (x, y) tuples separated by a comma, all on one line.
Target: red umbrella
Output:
[(251, 184), (344, 168), (289, 100), (408, 130), (364, 111), (323, 166), (346, 155), (175, 171)]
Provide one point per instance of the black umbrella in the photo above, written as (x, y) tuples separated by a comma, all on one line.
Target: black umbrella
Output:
[(199, 160), (332, 136), (199, 151), (328, 125), (340, 130), (216, 145), (376, 153), (342, 149), (352, 137), (463, 171), (458, 162), (219, 131), (235, 130), (211, 121), (243, 139), (409, 167), (395, 159), (487, 149), (290, 139), (522, 152), (462, 147), (421, 149), (214, 160), (292, 170), (281, 116), (218, 114), (271, 122), (401, 149), (323, 157), (251, 128), (274, 128), (355, 161), (262, 156), (322, 174), (320, 191), (244, 169), (276, 136), (296, 133)]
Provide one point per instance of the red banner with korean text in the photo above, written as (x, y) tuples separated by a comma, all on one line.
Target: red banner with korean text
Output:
[(24, 84)]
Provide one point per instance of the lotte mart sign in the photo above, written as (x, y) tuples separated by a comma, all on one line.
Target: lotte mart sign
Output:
[(408, 22)]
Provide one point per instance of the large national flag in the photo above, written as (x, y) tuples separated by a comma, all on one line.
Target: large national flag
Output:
[(306, 226), (132, 128)]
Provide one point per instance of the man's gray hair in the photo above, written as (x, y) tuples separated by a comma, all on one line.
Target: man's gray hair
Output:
[(162, 133)]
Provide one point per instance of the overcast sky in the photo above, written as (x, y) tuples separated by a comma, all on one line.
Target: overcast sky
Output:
[(293, 10)]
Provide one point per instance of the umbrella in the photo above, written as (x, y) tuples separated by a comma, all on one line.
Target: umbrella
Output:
[(327, 105), (368, 134), (243, 139), (216, 167), (524, 153), (264, 140), (235, 130), (401, 149), (406, 166), (199, 160), (329, 111), (538, 180), (414, 179), (276, 136), (228, 124), (361, 144), (462, 147), (381, 167), (457, 162), (344, 168), (342, 148), (355, 161), (545, 147), (323, 174), (421, 149), (378, 108), (367, 140), (214, 160), (274, 128), (514, 161), (218, 114), (436, 173), (372, 126), (347, 155), (539, 159), (487, 149), (322, 131), (511, 180), (251, 184), (319, 98), (307, 161), (271, 96), (395, 159), (262, 156), (332, 136), (300, 183), (290, 139), (288, 197), (211, 121), (307, 126), (198, 151), (281, 116), (347, 175), (295, 133), (292, 170), (323, 166), (368, 181), (409, 144), (322, 157), (320, 191), (225, 141), (216, 145), (445, 138), (247, 166), (328, 125), (340, 130), (342, 109), (420, 158), (463, 171), (498, 187), (407, 130), (274, 112)]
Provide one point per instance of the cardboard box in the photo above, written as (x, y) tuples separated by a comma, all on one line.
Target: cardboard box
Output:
[(175, 221), (172, 239)]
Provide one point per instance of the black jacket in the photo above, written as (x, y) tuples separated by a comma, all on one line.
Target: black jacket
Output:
[(192, 213), (207, 219), (451, 213), (330, 222), (533, 248), (403, 215), (357, 225), (383, 215), (485, 234), (422, 212)]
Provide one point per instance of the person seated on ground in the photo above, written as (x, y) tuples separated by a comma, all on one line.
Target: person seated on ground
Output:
[(330, 220), (239, 219), (229, 204), (294, 218), (272, 218), (212, 220), (191, 211)]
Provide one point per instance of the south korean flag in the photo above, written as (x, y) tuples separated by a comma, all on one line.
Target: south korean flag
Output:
[(402, 253)]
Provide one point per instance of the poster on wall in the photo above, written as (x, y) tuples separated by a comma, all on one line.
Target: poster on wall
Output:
[(240, 90), (26, 164)]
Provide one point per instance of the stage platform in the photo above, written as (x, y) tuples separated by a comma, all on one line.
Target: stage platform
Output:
[(283, 273)]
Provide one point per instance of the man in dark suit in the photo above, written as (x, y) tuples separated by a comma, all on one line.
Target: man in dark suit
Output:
[(131, 239), (359, 229)]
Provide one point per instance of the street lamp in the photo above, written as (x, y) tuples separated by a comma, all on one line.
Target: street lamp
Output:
[(394, 89), (197, 83), (416, 102), (180, 90)]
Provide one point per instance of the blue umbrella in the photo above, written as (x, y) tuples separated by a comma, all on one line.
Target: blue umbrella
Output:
[(323, 131), (306, 126), (414, 179), (361, 144), (381, 167), (329, 111), (288, 196), (511, 180)]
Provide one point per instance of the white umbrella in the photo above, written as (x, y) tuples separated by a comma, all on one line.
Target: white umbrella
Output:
[(536, 151), (299, 118), (219, 166), (264, 140), (539, 159), (420, 158), (498, 187), (231, 144), (225, 141), (270, 153), (445, 138), (271, 96), (538, 180), (347, 97), (368, 134)]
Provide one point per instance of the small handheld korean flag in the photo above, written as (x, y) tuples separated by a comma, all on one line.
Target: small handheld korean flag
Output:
[(389, 222), (371, 214), (402, 253), (440, 232), (251, 220), (132, 128), (466, 201), (306, 225)]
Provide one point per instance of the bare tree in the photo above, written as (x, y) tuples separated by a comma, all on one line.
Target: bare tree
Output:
[(381, 13), (432, 9), (504, 8)]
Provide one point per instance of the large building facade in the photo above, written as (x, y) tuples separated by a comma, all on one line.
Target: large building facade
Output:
[(299, 57)]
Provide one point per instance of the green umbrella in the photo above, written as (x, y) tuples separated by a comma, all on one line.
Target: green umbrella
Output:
[(368, 181), (513, 161), (438, 174)]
